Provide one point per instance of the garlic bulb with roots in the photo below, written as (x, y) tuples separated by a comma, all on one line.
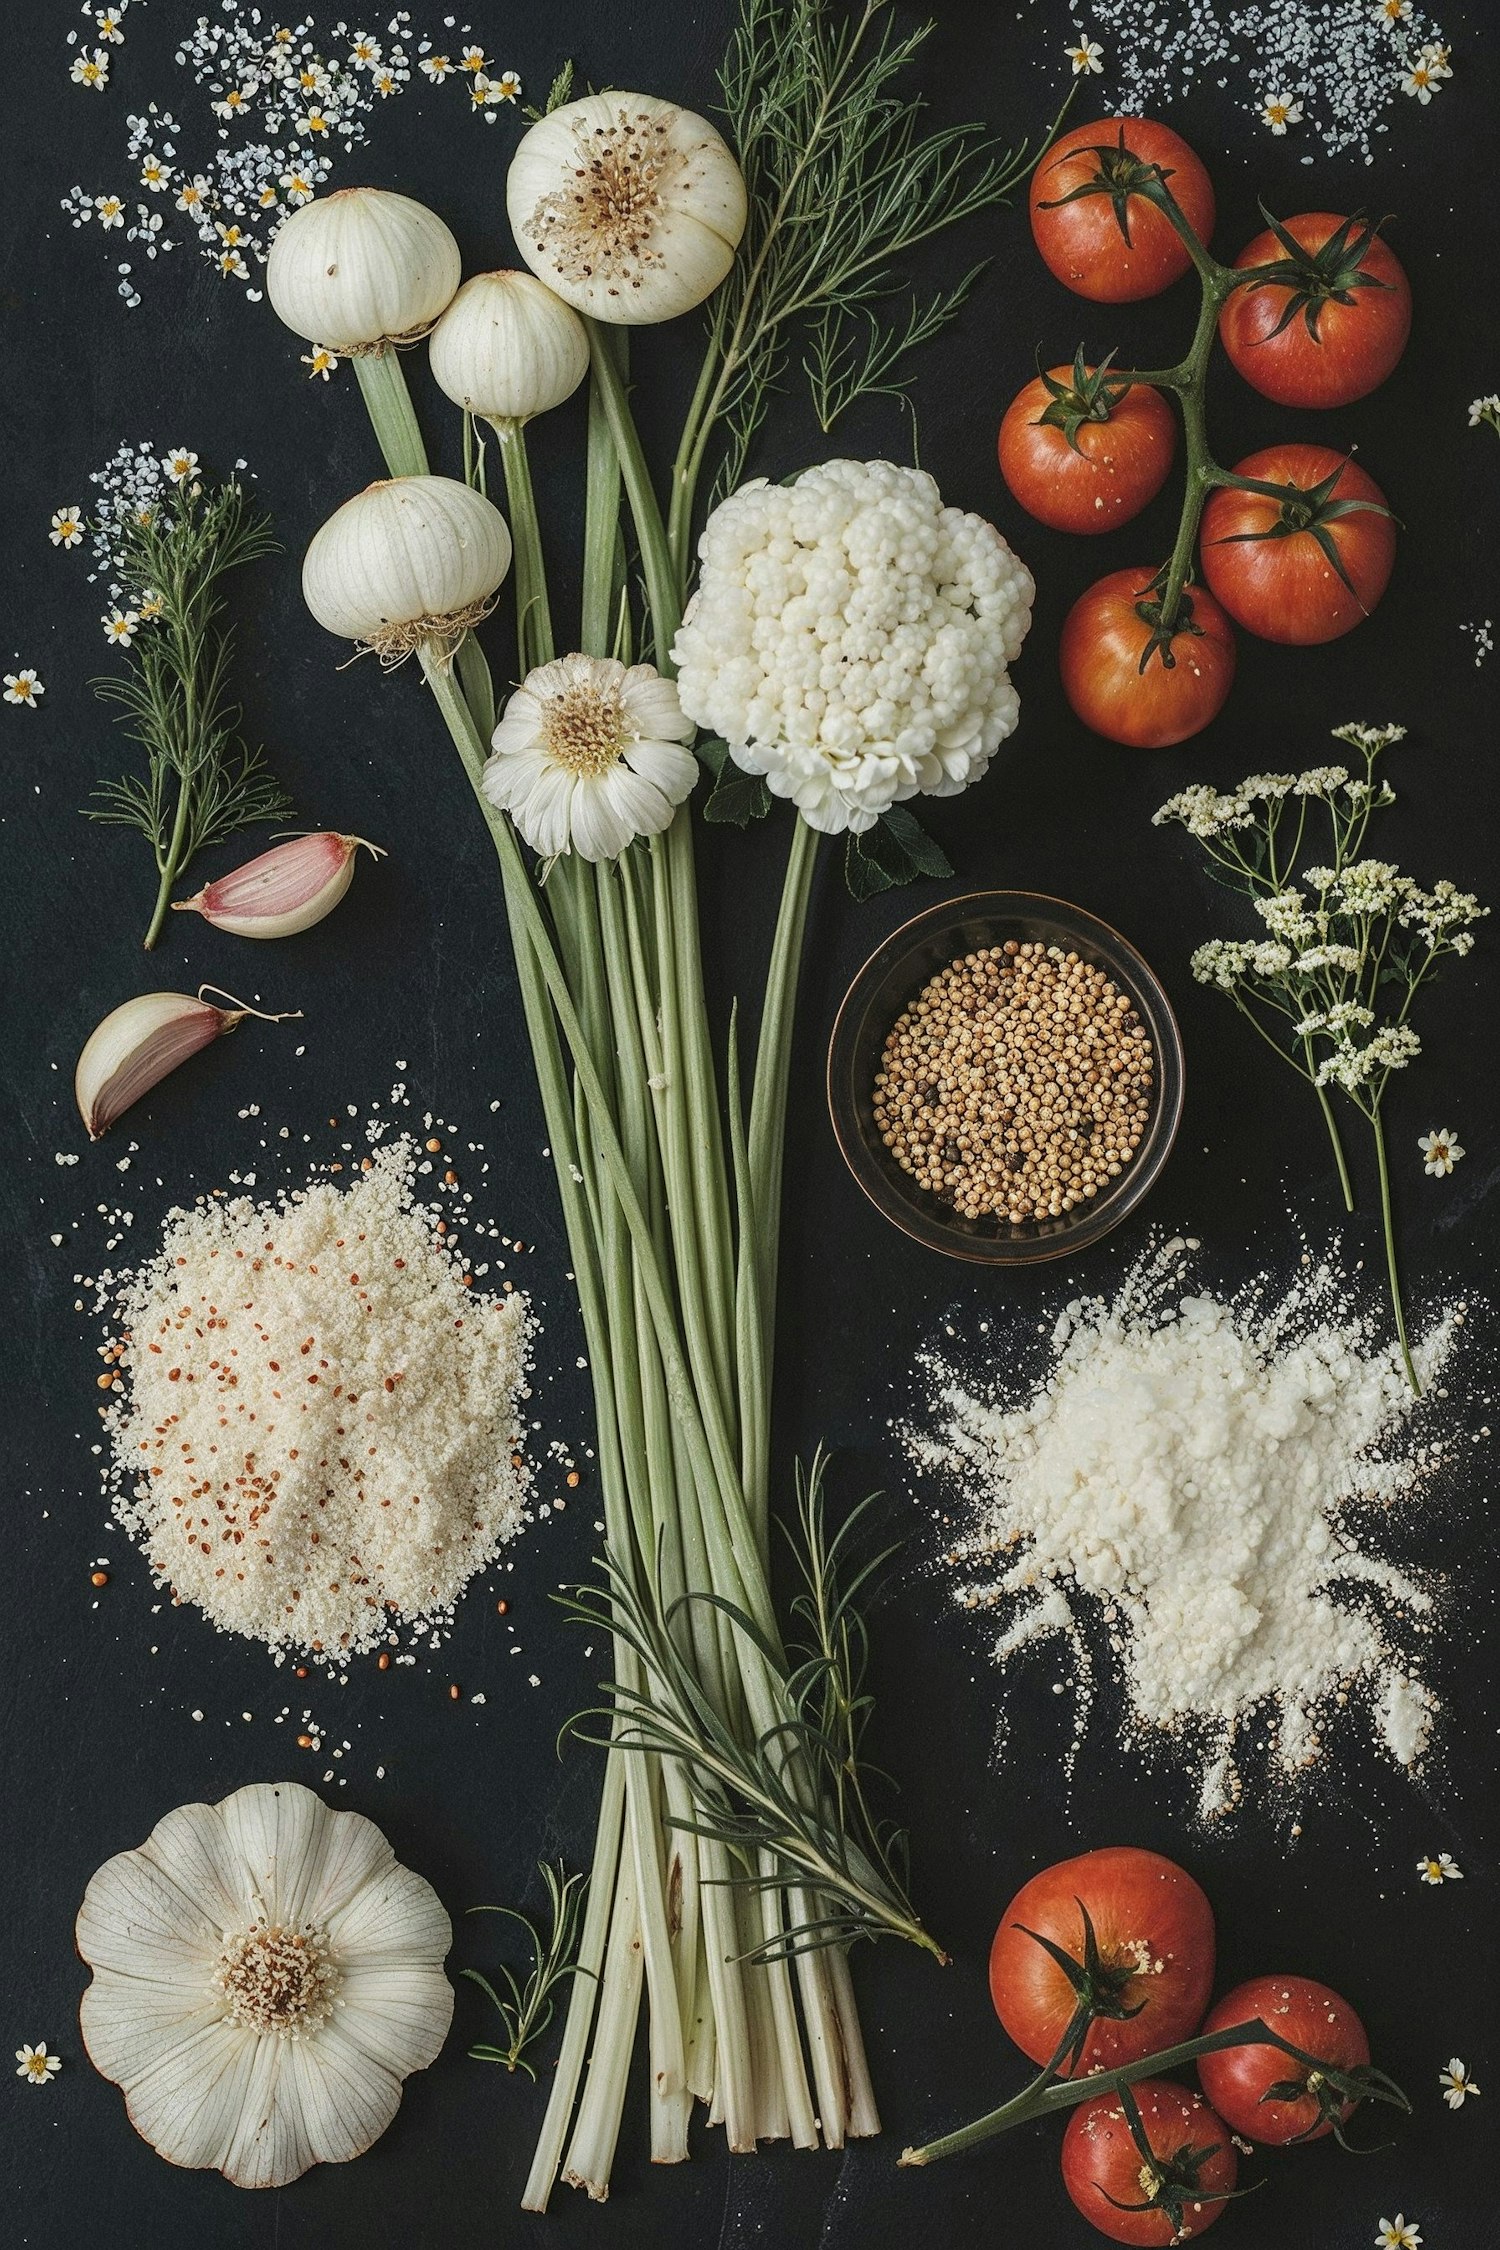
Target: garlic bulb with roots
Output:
[(629, 207), (508, 348), (362, 268), (265, 1976), (407, 563)]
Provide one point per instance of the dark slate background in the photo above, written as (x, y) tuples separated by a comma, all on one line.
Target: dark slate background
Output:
[(97, 1728)]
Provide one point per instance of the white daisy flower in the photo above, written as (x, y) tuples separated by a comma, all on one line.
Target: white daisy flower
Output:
[(364, 52), (313, 122), (1280, 110), (1443, 1869), (1421, 81), (111, 210), (1087, 56), (120, 626), (508, 86), (265, 1976), (472, 58), (436, 67), (1434, 58), (1456, 2083), (67, 528), (1393, 11), (1398, 2234), (91, 70), (588, 756), (24, 688), (231, 263), (297, 188), (36, 2066), (108, 26), (312, 78), (320, 361), (236, 102), (384, 82), (154, 174), (194, 193), (1440, 1152), (179, 463)]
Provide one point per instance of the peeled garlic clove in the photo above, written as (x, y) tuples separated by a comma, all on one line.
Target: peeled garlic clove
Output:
[(285, 890), (140, 1042)]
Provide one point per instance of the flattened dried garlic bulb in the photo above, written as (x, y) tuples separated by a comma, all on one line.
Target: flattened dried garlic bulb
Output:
[(265, 1976), (284, 890)]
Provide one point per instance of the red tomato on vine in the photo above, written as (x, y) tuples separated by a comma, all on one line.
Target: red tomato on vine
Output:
[(1306, 555), (1092, 213), (1265, 2095), (1083, 451), (1133, 681), (1329, 319), (1151, 2164)]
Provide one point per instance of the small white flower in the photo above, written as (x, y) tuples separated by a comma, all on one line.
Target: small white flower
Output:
[(588, 756), (236, 102), (312, 122), (1087, 56), (1434, 59), (1486, 410), (107, 25), (297, 188), (194, 193), (179, 464), (1393, 11), (154, 173), (231, 263), (1280, 110), (120, 626), (507, 86), (320, 361), (1421, 81), (1441, 1152), (1440, 1870), (67, 528), (24, 688), (1456, 2083), (1398, 2234), (436, 67), (91, 70), (472, 58), (364, 53), (111, 210), (36, 2066), (385, 82), (312, 78)]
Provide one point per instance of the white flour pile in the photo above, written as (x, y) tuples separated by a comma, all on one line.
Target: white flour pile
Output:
[(1200, 1477), (313, 1422)]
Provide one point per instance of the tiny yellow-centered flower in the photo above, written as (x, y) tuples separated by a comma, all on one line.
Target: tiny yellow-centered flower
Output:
[(67, 527), (1399, 2234), (1456, 2083), (36, 2066), (1086, 57), (23, 688), (1443, 1869)]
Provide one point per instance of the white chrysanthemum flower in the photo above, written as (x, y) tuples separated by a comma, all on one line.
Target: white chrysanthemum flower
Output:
[(1440, 1152), (850, 637), (265, 1976), (588, 756)]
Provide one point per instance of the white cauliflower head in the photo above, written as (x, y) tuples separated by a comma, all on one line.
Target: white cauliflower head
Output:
[(850, 637)]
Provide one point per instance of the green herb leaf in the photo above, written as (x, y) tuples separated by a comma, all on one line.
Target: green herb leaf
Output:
[(896, 851), (526, 2010)]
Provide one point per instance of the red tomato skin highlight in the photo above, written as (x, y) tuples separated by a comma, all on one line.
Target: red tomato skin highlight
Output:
[(1081, 243), (1099, 656), (1144, 1908), (1100, 2160), (1358, 345), (1313, 2018), (1286, 590), (1118, 467)]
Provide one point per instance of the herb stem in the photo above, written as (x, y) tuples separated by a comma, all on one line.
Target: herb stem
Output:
[(1326, 1106), (382, 382), (1388, 1226)]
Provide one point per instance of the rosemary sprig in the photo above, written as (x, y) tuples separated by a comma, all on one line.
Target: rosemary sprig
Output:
[(789, 1804), (202, 782), (846, 177), (527, 2009)]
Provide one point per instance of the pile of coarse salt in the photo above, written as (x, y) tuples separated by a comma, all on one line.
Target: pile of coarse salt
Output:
[(314, 1424), (1200, 1477)]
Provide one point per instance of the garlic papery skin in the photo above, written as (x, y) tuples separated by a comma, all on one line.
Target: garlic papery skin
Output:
[(265, 1975), (139, 1043), (284, 890), (412, 561), (508, 348), (362, 268), (629, 207)]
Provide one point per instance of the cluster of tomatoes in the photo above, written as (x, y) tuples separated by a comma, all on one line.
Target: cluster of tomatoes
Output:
[(1296, 542), (1106, 1960)]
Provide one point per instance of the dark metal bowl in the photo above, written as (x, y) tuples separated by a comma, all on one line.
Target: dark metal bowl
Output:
[(893, 976)]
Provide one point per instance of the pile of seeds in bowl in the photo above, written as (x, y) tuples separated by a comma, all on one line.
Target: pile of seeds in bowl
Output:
[(1017, 1085)]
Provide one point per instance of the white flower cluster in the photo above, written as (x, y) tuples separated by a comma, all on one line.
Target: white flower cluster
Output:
[(300, 95), (850, 638), (1443, 916), (1351, 1066), (1485, 410)]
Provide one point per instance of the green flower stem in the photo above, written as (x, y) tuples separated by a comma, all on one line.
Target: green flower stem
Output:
[(602, 576), (662, 595), (169, 863), (1326, 1106), (1047, 2096), (382, 381), (534, 640), (1388, 1225)]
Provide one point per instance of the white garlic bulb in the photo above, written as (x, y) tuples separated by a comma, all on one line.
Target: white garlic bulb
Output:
[(361, 267), (508, 348), (411, 560), (629, 207)]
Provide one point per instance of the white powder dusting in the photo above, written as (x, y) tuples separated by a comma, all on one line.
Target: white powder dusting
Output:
[(314, 1423), (1203, 1479)]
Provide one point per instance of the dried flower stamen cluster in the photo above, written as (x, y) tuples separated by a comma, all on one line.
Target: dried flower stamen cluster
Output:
[(610, 216), (1018, 1083), (584, 729), (277, 1980)]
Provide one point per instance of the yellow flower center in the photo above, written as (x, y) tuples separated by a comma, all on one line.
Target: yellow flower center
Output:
[(583, 729), (277, 1980)]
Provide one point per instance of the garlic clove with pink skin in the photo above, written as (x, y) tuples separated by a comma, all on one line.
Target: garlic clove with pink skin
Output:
[(284, 890), (139, 1043)]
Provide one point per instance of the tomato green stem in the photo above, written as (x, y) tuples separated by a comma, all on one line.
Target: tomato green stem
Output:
[(1047, 2096)]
